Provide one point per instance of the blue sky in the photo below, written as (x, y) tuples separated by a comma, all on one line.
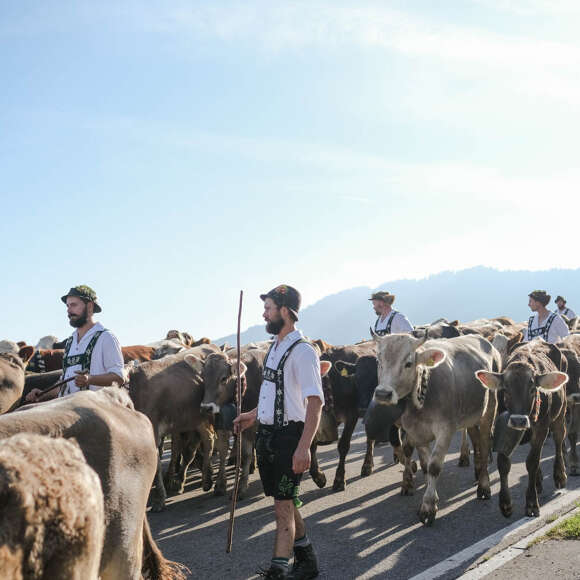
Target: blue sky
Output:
[(170, 154)]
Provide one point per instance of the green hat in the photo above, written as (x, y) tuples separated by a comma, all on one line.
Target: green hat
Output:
[(85, 293)]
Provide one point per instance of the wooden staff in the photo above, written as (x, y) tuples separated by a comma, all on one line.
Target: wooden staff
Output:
[(239, 436)]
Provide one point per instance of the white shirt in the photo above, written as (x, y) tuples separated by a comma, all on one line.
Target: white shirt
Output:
[(558, 329), (106, 358), (400, 323), (301, 380), (567, 312)]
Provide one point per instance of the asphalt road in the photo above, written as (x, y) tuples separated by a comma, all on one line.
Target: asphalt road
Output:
[(367, 531)]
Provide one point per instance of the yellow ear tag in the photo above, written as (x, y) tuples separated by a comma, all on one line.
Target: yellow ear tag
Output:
[(344, 373), (430, 362)]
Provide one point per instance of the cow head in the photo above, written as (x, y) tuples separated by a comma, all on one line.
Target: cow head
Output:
[(165, 348), (219, 375), (522, 387), (402, 363)]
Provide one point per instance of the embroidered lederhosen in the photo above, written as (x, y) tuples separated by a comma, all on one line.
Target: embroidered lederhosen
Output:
[(277, 377), (83, 359), (387, 329), (565, 313), (541, 331)]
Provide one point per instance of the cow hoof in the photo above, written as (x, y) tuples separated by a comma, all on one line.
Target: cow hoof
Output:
[(319, 479), (427, 515), (463, 461), (506, 509), (483, 492), (207, 485), (407, 491), (157, 505), (219, 491), (414, 467), (338, 485), (366, 470), (532, 511)]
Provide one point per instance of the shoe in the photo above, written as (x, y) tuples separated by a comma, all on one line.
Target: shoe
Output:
[(305, 563), (272, 573)]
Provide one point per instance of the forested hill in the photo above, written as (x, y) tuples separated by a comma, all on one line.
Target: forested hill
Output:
[(345, 317)]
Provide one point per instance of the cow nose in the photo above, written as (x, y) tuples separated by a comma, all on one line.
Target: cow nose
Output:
[(384, 396), (519, 422)]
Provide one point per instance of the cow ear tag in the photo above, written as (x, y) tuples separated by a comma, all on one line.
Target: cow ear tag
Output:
[(430, 362), (344, 373)]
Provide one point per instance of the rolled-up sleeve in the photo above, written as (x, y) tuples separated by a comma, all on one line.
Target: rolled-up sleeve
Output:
[(112, 355), (307, 369), (558, 330)]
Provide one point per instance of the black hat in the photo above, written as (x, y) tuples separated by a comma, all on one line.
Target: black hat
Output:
[(540, 296), (284, 295), (383, 296), (85, 293), (560, 298)]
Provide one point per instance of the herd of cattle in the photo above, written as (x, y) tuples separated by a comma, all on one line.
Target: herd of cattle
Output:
[(414, 390)]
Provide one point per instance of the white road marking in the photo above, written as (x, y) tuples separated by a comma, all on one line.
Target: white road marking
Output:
[(445, 566)]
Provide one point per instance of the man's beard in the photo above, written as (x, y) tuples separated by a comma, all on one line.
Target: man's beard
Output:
[(80, 320), (275, 326)]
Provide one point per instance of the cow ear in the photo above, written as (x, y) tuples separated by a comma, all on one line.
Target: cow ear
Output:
[(430, 357), (550, 382), (325, 366), (25, 353), (454, 323), (345, 369), (491, 381), (194, 362)]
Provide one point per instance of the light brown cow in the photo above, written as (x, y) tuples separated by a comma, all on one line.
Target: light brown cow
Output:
[(12, 377), (117, 442), (53, 521)]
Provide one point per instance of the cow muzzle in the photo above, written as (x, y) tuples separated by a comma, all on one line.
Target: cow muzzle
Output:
[(210, 407), (386, 396), (519, 422), (573, 399)]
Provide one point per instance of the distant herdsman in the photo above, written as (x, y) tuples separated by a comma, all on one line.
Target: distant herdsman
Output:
[(288, 415), (544, 324), (389, 321), (92, 354), (563, 310)]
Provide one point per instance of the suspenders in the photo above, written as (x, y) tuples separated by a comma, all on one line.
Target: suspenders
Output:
[(83, 359), (277, 377), (386, 330), (542, 331)]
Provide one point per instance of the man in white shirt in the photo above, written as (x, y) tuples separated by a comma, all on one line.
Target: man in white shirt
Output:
[(288, 413), (92, 355), (563, 310), (389, 321), (544, 324)]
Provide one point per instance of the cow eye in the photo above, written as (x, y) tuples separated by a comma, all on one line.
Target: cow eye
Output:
[(407, 365)]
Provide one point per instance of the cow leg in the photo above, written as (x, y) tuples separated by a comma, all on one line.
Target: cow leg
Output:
[(396, 444), (189, 451), (408, 485), (429, 506), (222, 446), (539, 434), (318, 477), (475, 437), (559, 434), (343, 447), (368, 463), (504, 465), (170, 478), (248, 444), (158, 494), (207, 437), (572, 455), (464, 453)]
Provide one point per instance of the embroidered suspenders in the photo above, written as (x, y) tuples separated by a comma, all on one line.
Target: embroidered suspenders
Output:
[(387, 329), (83, 359), (277, 377), (541, 331)]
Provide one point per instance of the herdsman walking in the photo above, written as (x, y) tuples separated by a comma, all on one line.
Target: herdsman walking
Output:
[(92, 354), (288, 414), (544, 324), (389, 321)]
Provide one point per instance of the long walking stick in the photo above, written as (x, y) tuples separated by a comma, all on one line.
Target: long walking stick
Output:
[(239, 437)]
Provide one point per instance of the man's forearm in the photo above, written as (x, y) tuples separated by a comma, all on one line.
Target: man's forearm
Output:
[(105, 380), (311, 422)]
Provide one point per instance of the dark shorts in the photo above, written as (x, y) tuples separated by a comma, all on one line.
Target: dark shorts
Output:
[(275, 449)]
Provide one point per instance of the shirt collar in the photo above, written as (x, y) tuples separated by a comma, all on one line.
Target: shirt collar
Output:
[(291, 337), (98, 326)]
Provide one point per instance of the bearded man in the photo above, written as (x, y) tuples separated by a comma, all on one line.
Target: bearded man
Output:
[(92, 354), (288, 413)]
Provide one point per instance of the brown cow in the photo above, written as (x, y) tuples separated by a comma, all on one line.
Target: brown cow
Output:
[(12, 377), (117, 442), (172, 391), (53, 520)]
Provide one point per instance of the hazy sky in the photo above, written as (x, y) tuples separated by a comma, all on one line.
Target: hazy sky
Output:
[(170, 154)]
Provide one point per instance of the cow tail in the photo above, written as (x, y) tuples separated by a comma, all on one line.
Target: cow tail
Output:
[(155, 565)]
